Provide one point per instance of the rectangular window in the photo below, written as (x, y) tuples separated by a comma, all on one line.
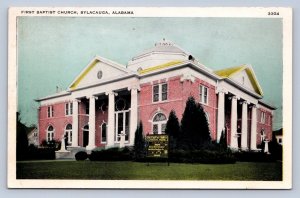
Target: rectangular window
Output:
[(69, 108), (263, 117), (155, 93), (160, 92), (203, 94), (50, 111), (164, 92)]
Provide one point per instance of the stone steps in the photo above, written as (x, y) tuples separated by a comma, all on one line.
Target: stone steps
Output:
[(69, 153)]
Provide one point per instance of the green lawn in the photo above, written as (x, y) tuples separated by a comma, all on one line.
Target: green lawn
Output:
[(140, 171)]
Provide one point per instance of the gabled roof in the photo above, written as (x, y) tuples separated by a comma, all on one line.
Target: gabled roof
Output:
[(159, 67), (91, 65), (232, 71)]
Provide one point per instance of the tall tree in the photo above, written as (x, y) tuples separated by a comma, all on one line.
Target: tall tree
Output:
[(139, 142), (172, 129), (194, 125), (21, 139)]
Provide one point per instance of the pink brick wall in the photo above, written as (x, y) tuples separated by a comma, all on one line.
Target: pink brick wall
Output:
[(178, 93), (100, 118), (267, 126), (58, 121)]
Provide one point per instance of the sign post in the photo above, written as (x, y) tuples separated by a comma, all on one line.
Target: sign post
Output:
[(158, 146)]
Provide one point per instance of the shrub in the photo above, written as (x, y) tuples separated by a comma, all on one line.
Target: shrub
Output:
[(203, 156), (53, 144), (112, 154), (35, 153), (173, 130), (139, 143), (81, 155), (194, 126), (248, 156)]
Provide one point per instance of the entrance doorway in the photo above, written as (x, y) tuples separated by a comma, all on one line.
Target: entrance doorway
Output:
[(85, 135), (122, 124)]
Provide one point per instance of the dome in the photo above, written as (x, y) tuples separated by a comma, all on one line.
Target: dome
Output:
[(163, 52)]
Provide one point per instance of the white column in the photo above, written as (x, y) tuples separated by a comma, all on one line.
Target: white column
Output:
[(221, 114), (92, 122), (253, 128), (133, 115), (75, 124), (111, 119), (233, 125), (244, 126)]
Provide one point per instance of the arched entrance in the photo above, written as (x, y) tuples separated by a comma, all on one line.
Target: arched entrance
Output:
[(85, 141)]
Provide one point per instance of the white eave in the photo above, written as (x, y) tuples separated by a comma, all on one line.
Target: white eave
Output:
[(263, 103), (56, 95)]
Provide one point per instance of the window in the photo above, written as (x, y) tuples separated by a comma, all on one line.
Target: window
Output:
[(69, 108), (50, 111), (203, 94), (263, 117), (159, 123), (50, 133), (160, 92), (103, 133), (68, 133)]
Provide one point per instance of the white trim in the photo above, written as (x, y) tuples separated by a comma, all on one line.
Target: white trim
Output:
[(158, 123), (69, 109), (70, 133), (160, 92), (51, 138), (116, 115), (50, 111), (201, 94)]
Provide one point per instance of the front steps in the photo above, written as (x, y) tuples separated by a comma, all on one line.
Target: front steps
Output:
[(69, 153)]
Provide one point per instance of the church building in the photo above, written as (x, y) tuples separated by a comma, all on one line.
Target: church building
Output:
[(108, 99)]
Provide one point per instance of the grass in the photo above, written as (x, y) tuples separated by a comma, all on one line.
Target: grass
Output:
[(155, 171)]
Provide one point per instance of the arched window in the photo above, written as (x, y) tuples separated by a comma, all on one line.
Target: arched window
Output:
[(68, 132), (50, 133), (103, 133), (159, 123)]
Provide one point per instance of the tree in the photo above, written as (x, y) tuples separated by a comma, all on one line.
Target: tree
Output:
[(21, 139), (194, 126), (275, 148), (139, 142), (172, 129)]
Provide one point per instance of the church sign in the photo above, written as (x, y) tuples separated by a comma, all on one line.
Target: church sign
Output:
[(157, 146)]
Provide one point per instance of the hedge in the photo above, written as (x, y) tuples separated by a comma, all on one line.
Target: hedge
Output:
[(203, 156), (248, 156), (112, 154)]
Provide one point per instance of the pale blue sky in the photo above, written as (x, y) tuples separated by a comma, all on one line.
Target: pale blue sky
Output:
[(53, 50)]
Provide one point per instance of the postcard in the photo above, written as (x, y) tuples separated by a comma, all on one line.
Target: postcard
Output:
[(150, 98)]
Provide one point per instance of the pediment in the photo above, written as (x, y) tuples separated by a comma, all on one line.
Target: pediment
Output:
[(98, 70), (246, 78), (242, 75)]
